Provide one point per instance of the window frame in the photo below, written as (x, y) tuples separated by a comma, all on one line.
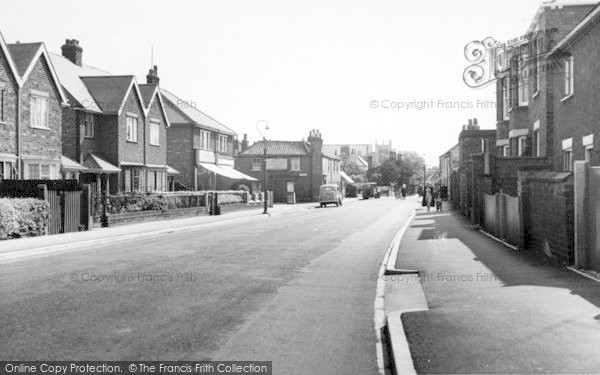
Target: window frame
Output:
[(204, 139), (569, 78), (293, 161), (34, 100), (223, 142), (154, 133), (505, 98), (506, 151), (257, 164), (2, 108), (89, 119), (521, 146), (568, 152), (536, 139), (522, 86), (132, 123)]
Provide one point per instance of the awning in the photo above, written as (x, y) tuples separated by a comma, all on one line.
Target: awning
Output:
[(96, 165), (239, 175), (226, 171), (67, 164), (171, 170), (346, 177)]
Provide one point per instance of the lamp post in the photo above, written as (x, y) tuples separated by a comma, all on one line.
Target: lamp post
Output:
[(259, 124)]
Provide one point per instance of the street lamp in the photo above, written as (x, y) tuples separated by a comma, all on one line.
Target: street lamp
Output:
[(265, 125)]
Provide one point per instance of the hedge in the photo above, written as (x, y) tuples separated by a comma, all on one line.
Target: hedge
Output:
[(22, 217), (135, 202)]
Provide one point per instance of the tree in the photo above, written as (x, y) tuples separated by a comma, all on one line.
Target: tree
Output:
[(408, 169)]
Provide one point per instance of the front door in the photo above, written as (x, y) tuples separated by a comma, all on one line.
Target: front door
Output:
[(279, 190)]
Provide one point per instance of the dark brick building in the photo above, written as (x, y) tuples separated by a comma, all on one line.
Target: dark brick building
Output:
[(298, 166), (576, 94), (116, 128), (31, 102), (200, 148)]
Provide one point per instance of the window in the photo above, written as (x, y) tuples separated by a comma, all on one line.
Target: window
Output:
[(569, 77), (154, 133), (7, 170), (222, 146), (88, 126), (505, 98), (39, 171), (135, 180), (536, 140), (568, 160), (521, 146), (257, 164), (588, 154), (506, 150), (537, 71), (132, 126), (482, 145), (205, 139), (523, 86), (295, 164), (39, 111)]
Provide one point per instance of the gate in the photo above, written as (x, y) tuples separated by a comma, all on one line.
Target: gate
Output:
[(69, 208), (502, 217)]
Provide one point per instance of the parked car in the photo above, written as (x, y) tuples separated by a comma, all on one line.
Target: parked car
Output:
[(370, 190), (330, 194)]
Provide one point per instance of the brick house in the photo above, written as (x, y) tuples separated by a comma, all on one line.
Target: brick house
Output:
[(525, 82), (298, 166), (200, 148), (113, 126), (31, 102), (449, 164), (576, 94)]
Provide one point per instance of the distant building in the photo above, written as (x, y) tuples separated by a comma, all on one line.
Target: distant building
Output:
[(382, 153), (448, 164), (356, 153), (292, 166)]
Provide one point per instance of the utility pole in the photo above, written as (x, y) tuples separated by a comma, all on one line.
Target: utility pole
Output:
[(265, 192)]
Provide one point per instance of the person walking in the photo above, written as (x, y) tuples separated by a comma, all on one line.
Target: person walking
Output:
[(428, 196)]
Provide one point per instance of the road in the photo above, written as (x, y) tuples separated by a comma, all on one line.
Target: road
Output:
[(295, 289)]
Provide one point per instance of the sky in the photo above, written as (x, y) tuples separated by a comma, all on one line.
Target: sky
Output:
[(336, 66)]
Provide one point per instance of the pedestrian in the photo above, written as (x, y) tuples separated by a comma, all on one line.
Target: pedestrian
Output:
[(428, 196)]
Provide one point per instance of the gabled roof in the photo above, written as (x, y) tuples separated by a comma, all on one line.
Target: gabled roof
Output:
[(23, 55), (69, 75), (588, 20), (279, 148), (329, 155), (111, 92), (180, 112), (22, 58), (148, 91)]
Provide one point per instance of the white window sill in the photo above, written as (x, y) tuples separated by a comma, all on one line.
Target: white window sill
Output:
[(566, 98), (39, 127), (88, 137), (155, 144), (130, 141)]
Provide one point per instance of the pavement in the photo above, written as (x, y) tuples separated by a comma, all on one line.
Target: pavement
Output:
[(480, 307), (97, 236), (296, 289)]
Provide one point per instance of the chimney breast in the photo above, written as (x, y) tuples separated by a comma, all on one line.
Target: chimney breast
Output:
[(73, 51), (152, 76)]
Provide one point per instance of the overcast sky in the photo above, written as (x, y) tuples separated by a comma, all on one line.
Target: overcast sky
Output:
[(296, 64)]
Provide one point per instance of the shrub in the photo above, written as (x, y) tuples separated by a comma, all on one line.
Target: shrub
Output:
[(134, 202), (21, 217)]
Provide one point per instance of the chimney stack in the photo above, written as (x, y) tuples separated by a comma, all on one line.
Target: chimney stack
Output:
[(245, 142), (72, 51), (152, 76)]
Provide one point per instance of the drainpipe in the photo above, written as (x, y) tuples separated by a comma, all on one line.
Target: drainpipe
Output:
[(18, 134)]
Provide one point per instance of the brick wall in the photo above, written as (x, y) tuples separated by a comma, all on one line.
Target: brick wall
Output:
[(156, 154), (46, 143), (132, 151), (547, 199), (8, 136), (578, 116), (505, 171), (180, 153)]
